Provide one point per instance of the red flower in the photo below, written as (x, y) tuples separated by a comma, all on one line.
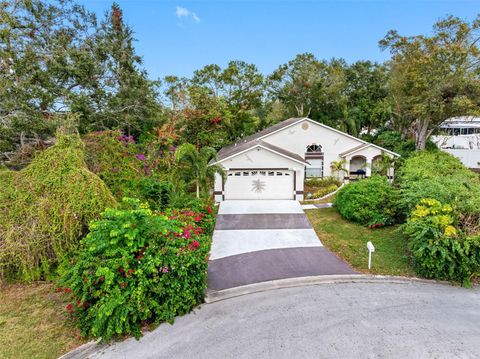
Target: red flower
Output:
[(67, 290), (130, 271), (187, 234), (194, 246), (69, 307), (121, 270), (209, 210)]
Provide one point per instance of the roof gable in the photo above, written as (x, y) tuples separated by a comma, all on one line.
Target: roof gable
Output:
[(252, 140)]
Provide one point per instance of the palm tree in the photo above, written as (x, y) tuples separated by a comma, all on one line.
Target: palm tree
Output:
[(337, 167), (194, 163), (383, 164)]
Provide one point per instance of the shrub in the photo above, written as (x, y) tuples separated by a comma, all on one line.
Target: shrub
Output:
[(439, 249), (371, 201), (325, 190), (440, 176), (45, 209), (322, 182), (137, 267)]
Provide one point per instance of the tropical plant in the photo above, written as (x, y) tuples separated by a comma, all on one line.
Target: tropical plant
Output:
[(136, 267), (383, 164), (195, 165), (439, 249), (337, 167)]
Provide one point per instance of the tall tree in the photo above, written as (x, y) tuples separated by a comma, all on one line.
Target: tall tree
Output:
[(47, 60), (435, 77), (130, 97)]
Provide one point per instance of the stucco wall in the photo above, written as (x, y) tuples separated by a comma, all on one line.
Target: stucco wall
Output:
[(261, 158), (296, 139)]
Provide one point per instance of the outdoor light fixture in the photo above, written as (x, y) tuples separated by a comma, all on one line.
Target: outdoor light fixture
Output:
[(371, 249)]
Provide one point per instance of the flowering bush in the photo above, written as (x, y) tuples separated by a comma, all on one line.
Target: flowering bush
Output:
[(439, 249), (372, 202), (137, 267)]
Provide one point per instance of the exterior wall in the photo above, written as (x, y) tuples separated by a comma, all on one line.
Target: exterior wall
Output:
[(261, 159), (470, 158), (296, 138), (459, 142)]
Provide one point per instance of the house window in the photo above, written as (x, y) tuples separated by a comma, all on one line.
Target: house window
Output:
[(314, 149), (314, 155)]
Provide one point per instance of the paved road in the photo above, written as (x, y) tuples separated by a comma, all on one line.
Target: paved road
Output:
[(256, 241), (354, 320)]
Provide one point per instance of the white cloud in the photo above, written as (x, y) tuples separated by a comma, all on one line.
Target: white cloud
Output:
[(182, 12)]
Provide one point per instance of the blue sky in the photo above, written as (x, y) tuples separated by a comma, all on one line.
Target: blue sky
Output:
[(177, 37)]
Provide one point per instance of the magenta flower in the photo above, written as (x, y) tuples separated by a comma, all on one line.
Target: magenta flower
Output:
[(141, 157), (172, 148), (187, 234)]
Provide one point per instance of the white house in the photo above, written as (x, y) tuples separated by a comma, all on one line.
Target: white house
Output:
[(273, 163), (460, 136)]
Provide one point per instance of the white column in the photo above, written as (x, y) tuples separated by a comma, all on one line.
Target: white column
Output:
[(368, 168), (347, 168)]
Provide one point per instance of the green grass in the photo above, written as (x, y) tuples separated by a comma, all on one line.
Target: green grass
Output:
[(33, 322), (349, 241)]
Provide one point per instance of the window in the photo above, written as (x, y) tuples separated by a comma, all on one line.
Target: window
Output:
[(246, 173), (254, 173), (271, 173), (263, 173), (238, 173), (316, 170), (314, 148), (279, 173)]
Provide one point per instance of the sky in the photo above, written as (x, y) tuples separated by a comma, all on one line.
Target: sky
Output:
[(178, 37)]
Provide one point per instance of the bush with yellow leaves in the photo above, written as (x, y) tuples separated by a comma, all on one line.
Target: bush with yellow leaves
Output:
[(439, 248)]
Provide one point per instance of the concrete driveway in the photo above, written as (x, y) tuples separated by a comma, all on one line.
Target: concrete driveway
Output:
[(351, 320), (261, 240)]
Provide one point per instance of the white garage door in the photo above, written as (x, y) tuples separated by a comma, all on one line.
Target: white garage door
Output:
[(259, 184)]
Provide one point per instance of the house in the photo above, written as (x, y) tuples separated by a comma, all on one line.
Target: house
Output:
[(460, 136), (273, 163)]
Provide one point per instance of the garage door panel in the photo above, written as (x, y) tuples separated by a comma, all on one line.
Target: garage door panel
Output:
[(259, 184)]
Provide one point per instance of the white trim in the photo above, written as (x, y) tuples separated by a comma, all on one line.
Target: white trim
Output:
[(332, 129), (345, 154), (306, 164)]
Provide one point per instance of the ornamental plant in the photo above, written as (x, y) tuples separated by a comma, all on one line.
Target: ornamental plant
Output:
[(372, 201), (439, 249), (137, 267)]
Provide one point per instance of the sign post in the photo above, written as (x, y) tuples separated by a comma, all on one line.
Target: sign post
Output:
[(371, 249)]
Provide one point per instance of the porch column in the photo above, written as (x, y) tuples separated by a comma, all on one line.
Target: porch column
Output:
[(346, 175), (368, 168)]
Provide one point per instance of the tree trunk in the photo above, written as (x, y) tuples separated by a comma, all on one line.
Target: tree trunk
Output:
[(198, 190), (421, 134)]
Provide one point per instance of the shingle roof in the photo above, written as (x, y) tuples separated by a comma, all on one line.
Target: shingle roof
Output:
[(237, 148), (363, 145), (249, 141)]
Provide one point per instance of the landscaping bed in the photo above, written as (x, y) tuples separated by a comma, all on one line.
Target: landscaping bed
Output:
[(349, 241)]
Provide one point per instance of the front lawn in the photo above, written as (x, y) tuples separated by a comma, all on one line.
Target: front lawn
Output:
[(349, 241), (33, 322)]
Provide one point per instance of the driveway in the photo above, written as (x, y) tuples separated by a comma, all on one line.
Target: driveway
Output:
[(350, 320), (261, 240)]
